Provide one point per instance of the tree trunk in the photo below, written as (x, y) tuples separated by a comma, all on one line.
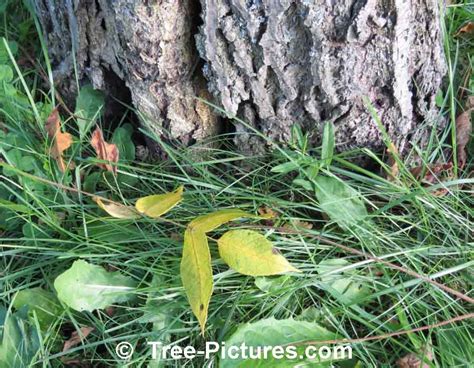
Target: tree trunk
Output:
[(271, 62)]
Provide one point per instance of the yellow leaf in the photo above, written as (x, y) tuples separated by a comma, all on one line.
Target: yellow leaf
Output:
[(250, 253), (213, 220), (157, 205), (117, 210), (196, 273)]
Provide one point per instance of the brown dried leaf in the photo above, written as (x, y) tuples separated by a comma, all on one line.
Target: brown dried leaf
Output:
[(463, 134), (434, 174), (76, 338), (394, 170), (414, 361), (465, 29), (61, 141), (105, 151), (269, 214), (298, 223)]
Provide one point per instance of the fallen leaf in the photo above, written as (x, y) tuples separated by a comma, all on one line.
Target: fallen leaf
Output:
[(195, 269), (269, 214), (117, 210), (250, 253), (213, 220), (61, 141), (298, 223), (392, 162), (77, 337), (465, 29), (196, 273), (413, 360), (434, 174), (105, 151), (110, 311), (158, 204), (463, 134)]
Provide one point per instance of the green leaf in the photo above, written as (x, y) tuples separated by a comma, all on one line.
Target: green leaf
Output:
[(86, 287), (342, 203), (313, 170), (298, 138), (342, 285), (15, 207), (213, 220), (88, 105), (159, 204), (41, 303), (272, 332), (305, 184), (16, 159), (4, 57), (439, 98), (250, 253), (6, 73), (327, 150), (272, 284), (122, 138), (20, 342), (286, 167), (196, 273)]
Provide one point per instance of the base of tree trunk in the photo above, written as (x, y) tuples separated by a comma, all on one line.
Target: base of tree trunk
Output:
[(272, 63)]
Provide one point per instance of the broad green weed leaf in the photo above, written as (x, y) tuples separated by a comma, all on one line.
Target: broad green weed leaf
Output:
[(273, 284), (327, 150), (20, 341), (342, 203), (41, 303), (88, 105), (122, 138), (305, 184), (272, 332), (213, 220), (12, 45), (118, 210), (286, 167), (86, 287), (342, 285), (157, 205), (250, 253), (6, 73), (196, 273), (15, 207)]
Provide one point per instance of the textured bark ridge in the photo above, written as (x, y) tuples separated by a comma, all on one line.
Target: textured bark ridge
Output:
[(149, 45), (283, 62), (272, 62)]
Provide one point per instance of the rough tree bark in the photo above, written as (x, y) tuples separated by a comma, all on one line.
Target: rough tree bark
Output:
[(272, 62)]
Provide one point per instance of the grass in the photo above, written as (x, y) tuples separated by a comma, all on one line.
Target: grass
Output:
[(51, 226)]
